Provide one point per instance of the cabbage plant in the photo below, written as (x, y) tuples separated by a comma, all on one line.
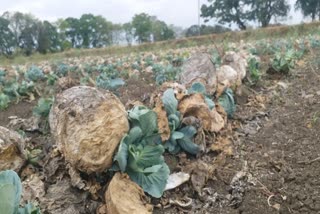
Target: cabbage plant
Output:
[(10, 195), (140, 152), (226, 100), (42, 109), (4, 101), (180, 137), (198, 87), (34, 74)]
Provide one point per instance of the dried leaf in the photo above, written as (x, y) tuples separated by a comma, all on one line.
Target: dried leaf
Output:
[(222, 145), (33, 188), (201, 172), (163, 123), (126, 197)]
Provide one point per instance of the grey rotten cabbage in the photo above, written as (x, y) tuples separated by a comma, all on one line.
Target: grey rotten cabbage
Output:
[(88, 125)]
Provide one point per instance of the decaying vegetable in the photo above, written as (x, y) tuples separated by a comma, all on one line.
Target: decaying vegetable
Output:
[(163, 123), (238, 62), (195, 105), (126, 197), (199, 68), (88, 125), (12, 155)]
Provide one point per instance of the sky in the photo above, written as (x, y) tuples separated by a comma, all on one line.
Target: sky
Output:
[(182, 13)]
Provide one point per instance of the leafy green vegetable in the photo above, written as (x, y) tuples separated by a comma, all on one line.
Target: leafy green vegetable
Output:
[(209, 102), (11, 89), (26, 88), (148, 169), (254, 70), (284, 62), (4, 101), (105, 82), (34, 74), (144, 119), (52, 78), (169, 101), (226, 100), (29, 209), (180, 137), (2, 77), (198, 87), (43, 107), (164, 74), (10, 195), (122, 155), (62, 69), (216, 58), (10, 191), (140, 152), (160, 79), (186, 142)]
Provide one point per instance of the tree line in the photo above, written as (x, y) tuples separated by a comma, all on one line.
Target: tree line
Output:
[(25, 34), (22, 33), (244, 12)]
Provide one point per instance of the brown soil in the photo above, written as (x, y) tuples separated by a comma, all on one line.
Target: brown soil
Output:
[(138, 89), (280, 147), (22, 110), (282, 156)]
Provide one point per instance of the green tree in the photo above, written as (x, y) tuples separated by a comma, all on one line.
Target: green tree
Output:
[(43, 41), (309, 8), (103, 32), (16, 24), (28, 38), (52, 31), (143, 27), (264, 10), (226, 11), (129, 32), (48, 38), (7, 42), (88, 25), (178, 31), (70, 30), (25, 30), (161, 31), (116, 35), (192, 31), (95, 31), (207, 29)]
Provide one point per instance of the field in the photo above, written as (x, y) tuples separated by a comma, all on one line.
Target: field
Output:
[(264, 158)]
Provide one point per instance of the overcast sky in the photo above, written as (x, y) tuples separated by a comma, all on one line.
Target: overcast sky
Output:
[(178, 12)]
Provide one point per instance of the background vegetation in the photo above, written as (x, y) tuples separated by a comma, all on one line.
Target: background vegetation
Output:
[(24, 34)]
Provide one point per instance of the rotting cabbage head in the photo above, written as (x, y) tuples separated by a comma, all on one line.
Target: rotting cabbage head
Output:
[(88, 125)]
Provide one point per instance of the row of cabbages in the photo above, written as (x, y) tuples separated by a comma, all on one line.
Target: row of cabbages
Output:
[(95, 133)]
